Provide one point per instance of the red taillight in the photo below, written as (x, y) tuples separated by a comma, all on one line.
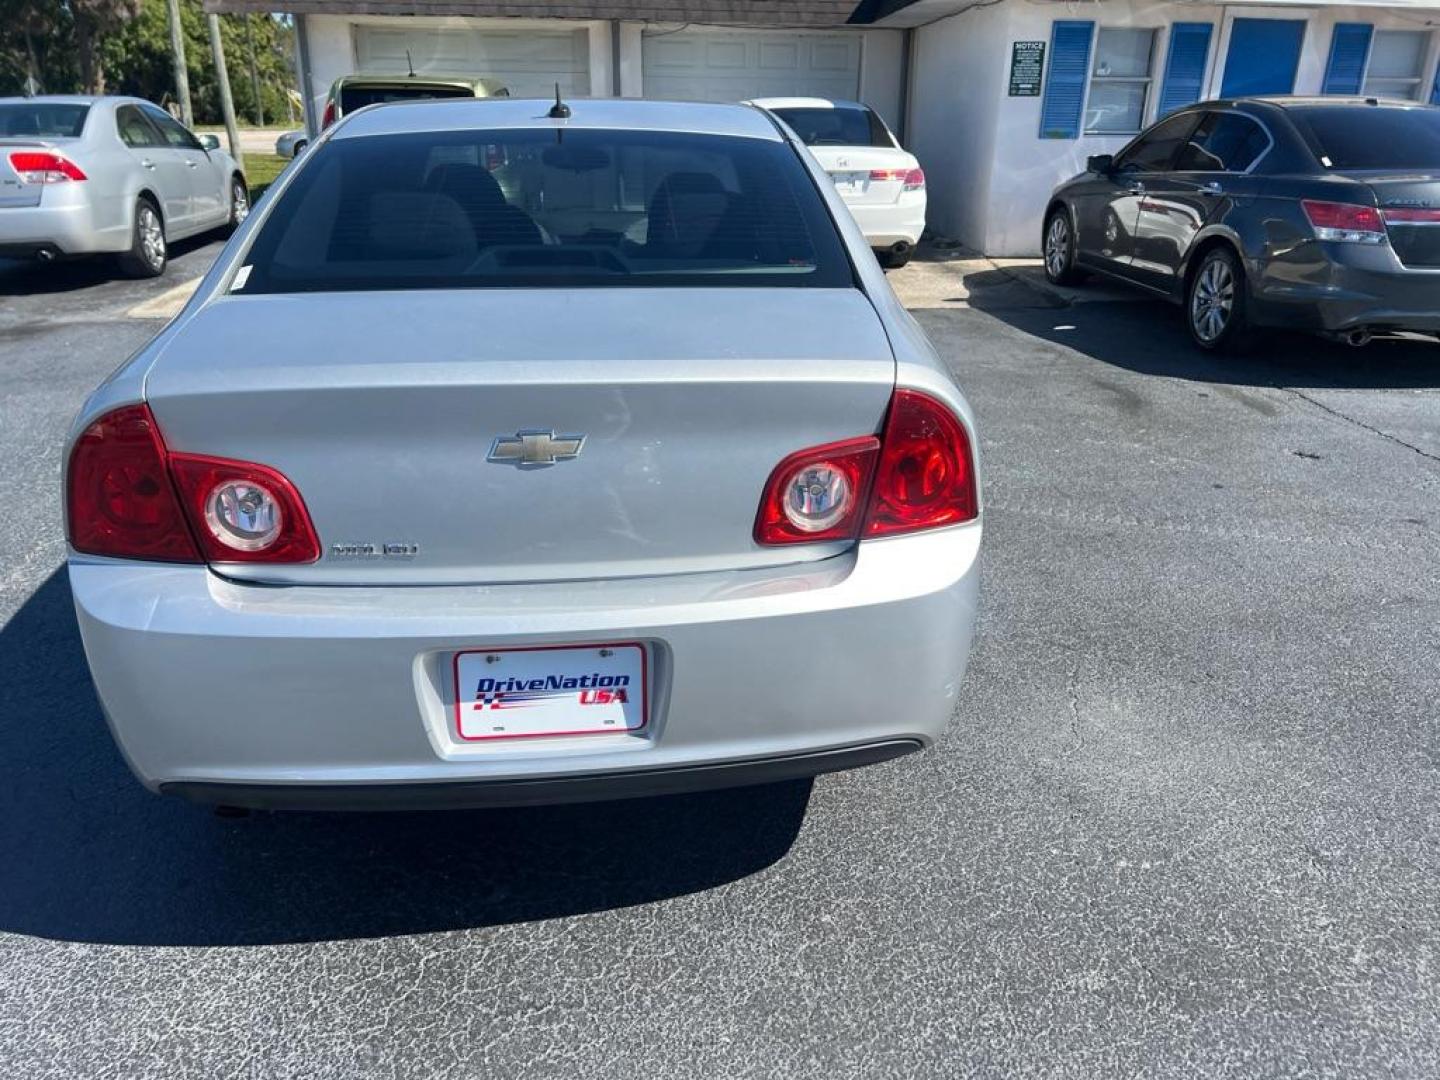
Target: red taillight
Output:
[(1345, 222), (926, 474), (912, 179), (329, 117), (119, 498), (243, 512), (1412, 215), (128, 497), (818, 494), (920, 474), (44, 167)]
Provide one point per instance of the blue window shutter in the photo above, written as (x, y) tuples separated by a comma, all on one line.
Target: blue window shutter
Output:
[(1185, 66), (1349, 49), (1262, 57), (1065, 82)]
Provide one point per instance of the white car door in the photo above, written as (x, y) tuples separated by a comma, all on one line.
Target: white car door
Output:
[(163, 170), (207, 196)]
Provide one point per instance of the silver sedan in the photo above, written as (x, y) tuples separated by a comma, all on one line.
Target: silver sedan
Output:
[(514, 452), (292, 143), (91, 175)]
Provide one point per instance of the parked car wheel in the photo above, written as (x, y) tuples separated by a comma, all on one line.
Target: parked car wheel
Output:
[(148, 253), (891, 259), (1060, 268), (239, 202), (299, 148), (1215, 308)]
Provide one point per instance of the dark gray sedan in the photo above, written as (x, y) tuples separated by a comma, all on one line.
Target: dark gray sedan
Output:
[(1318, 214)]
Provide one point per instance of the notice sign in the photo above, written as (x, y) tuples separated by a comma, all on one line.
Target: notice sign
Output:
[(1027, 64)]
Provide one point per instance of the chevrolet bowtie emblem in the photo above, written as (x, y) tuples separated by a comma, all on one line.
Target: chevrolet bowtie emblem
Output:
[(535, 448)]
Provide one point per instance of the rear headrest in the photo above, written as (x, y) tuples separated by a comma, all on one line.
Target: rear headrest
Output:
[(469, 184), (685, 207), (419, 225)]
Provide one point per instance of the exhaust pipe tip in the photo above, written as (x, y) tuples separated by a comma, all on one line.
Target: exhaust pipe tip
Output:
[(900, 247), (1358, 338)]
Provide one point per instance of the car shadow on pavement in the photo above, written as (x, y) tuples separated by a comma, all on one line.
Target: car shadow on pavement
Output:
[(88, 855), (1148, 336), (32, 278)]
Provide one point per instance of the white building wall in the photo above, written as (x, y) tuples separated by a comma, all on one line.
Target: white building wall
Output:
[(882, 59), (333, 53), (952, 128), (632, 37), (332, 44), (989, 173)]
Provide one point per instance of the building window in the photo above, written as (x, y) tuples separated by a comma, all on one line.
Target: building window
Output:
[(1119, 82), (1397, 59)]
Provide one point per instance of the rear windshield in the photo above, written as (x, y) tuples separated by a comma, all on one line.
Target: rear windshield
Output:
[(843, 125), (1371, 137), (546, 207), (47, 120), (357, 97)]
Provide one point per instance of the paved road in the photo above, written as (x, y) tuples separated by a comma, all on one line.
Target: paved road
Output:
[(1186, 823)]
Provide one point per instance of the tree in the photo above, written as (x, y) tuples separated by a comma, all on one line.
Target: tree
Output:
[(94, 20), (128, 46), (36, 46), (138, 60)]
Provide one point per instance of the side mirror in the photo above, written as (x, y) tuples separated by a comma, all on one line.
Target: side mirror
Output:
[(209, 140), (1100, 163)]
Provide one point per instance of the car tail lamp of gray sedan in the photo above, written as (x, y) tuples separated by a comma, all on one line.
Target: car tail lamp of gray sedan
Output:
[(507, 468), (128, 498), (919, 475), (44, 167)]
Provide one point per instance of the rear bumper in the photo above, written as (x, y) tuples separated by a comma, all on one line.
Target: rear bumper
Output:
[(885, 226), (1333, 288), (61, 225), (632, 784), (344, 696)]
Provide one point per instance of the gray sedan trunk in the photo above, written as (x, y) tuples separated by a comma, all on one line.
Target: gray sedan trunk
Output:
[(382, 409), (14, 191)]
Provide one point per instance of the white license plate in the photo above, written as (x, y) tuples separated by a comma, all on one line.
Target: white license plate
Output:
[(546, 691), (850, 182)]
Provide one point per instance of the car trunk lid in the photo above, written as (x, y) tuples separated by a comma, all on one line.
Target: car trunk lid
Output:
[(15, 191), (1410, 203), (865, 175), (383, 408)]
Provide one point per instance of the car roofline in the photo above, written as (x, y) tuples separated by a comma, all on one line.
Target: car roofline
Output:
[(804, 102), (509, 113)]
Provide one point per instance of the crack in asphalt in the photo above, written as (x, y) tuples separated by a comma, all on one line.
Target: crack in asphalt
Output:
[(1360, 423), (1072, 701)]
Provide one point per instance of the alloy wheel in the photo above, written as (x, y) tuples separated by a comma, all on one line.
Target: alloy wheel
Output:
[(239, 202), (1213, 300), (152, 237), (1057, 246)]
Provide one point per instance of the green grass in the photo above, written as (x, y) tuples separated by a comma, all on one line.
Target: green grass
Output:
[(261, 170)]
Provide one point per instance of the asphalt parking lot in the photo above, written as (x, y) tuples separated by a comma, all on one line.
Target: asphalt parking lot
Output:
[(1186, 822)]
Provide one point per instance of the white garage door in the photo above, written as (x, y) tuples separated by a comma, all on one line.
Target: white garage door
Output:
[(735, 65), (529, 62)]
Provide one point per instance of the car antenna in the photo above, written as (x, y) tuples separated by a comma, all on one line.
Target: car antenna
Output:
[(410, 63), (559, 111)]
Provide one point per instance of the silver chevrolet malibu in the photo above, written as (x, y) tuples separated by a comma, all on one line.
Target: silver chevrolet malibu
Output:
[(517, 452), (93, 175)]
